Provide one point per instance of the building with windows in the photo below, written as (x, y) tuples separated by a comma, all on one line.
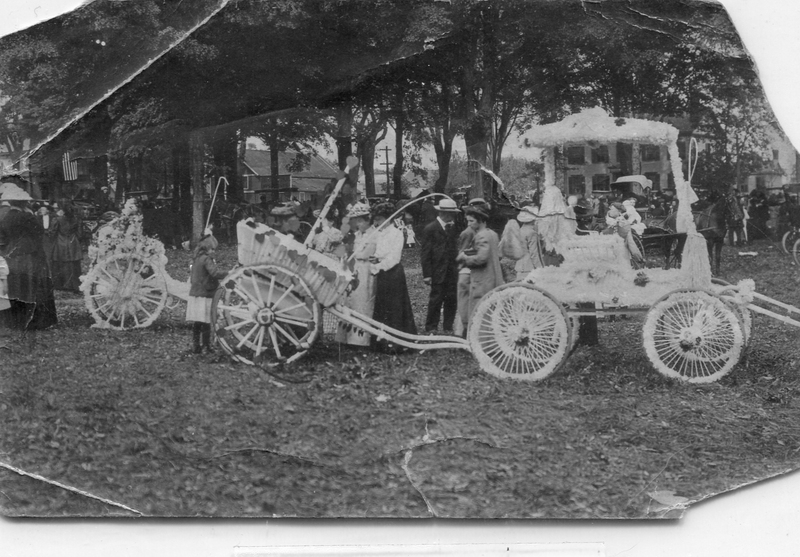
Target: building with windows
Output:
[(306, 184), (592, 168)]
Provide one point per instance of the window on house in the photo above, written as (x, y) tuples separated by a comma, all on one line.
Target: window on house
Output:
[(600, 155), (650, 153), (577, 184), (654, 177), (761, 182), (575, 155), (601, 182)]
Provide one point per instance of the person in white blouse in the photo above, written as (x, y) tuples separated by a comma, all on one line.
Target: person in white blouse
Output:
[(392, 303)]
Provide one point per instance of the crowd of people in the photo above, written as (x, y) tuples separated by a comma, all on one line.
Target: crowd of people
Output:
[(462, 260), (40, 252)]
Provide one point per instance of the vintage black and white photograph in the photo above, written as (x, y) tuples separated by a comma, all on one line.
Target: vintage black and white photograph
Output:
[(392, 259)]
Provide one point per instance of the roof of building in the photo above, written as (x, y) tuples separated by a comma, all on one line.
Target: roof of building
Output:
[(258, 162)]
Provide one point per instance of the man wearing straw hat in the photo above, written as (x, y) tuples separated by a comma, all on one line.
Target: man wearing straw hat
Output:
[(439, 266)]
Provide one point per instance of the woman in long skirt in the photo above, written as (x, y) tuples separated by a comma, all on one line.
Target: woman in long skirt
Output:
[(392, 304), (362, 299)]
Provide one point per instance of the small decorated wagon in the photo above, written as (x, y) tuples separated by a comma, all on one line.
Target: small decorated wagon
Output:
[(127, 286)]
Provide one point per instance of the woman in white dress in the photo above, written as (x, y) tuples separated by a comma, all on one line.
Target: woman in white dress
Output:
[(362, 299), (392, 303)]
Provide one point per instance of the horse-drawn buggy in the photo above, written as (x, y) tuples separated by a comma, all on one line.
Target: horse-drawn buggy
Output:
[(269, 309)]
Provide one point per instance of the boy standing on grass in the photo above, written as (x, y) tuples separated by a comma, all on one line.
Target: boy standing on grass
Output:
[(205, 280)]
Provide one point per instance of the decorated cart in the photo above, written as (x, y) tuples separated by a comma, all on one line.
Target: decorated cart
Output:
[(127, 286), (695, 328), (269, 310)]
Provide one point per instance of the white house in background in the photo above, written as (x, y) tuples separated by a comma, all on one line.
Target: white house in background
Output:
[(781, 169), (590, 168)]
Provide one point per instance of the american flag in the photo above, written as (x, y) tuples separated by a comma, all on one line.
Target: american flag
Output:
[(70, 168)]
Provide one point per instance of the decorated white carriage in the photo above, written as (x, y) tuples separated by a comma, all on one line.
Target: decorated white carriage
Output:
[(695, 329)]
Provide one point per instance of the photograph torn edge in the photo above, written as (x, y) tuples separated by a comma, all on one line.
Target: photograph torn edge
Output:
[(91, 105), (427, 44), (69, 488)]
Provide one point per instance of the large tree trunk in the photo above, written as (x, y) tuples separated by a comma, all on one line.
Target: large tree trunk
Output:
[(182, 177), (366, 153), (443, 147), (344, 133), (478, 109), (196, 151)]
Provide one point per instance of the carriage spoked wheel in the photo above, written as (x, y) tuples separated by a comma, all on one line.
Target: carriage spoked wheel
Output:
[(265, 315), (519, 332), (789, 238), (694, 336), (125, 291)]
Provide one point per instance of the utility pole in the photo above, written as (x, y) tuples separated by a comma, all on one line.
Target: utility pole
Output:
[(386, 164)]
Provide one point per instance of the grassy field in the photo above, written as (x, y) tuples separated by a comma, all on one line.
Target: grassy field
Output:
[(141, 428)]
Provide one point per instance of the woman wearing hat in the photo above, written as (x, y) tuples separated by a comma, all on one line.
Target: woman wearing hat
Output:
[(30, 290), (529, 236), (483, 259), (392, 304), (283, 218), (362, 299)]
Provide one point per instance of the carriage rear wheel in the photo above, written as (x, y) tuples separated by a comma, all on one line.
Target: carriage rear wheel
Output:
[(519, 332), (265, 315), (125, 291), (693, 336), (788, 240)]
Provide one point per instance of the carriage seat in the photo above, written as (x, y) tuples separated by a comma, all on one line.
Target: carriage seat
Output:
[(593, 250)]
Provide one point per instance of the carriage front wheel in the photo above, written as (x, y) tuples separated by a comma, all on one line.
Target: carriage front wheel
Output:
[(265, 315), (125, 291), (693, 336), (519, 332)]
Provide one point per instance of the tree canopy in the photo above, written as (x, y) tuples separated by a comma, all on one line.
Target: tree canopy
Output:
[(138, 77)]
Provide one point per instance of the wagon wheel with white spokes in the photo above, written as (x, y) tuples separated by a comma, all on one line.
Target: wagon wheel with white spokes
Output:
[(693, 336), (519, 332), (125, 291), (265, 315)]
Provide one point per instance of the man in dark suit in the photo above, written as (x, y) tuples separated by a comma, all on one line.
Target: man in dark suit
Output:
[(439, 267)]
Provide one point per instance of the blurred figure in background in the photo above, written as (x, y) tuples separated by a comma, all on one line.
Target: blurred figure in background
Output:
[(67, 253)]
